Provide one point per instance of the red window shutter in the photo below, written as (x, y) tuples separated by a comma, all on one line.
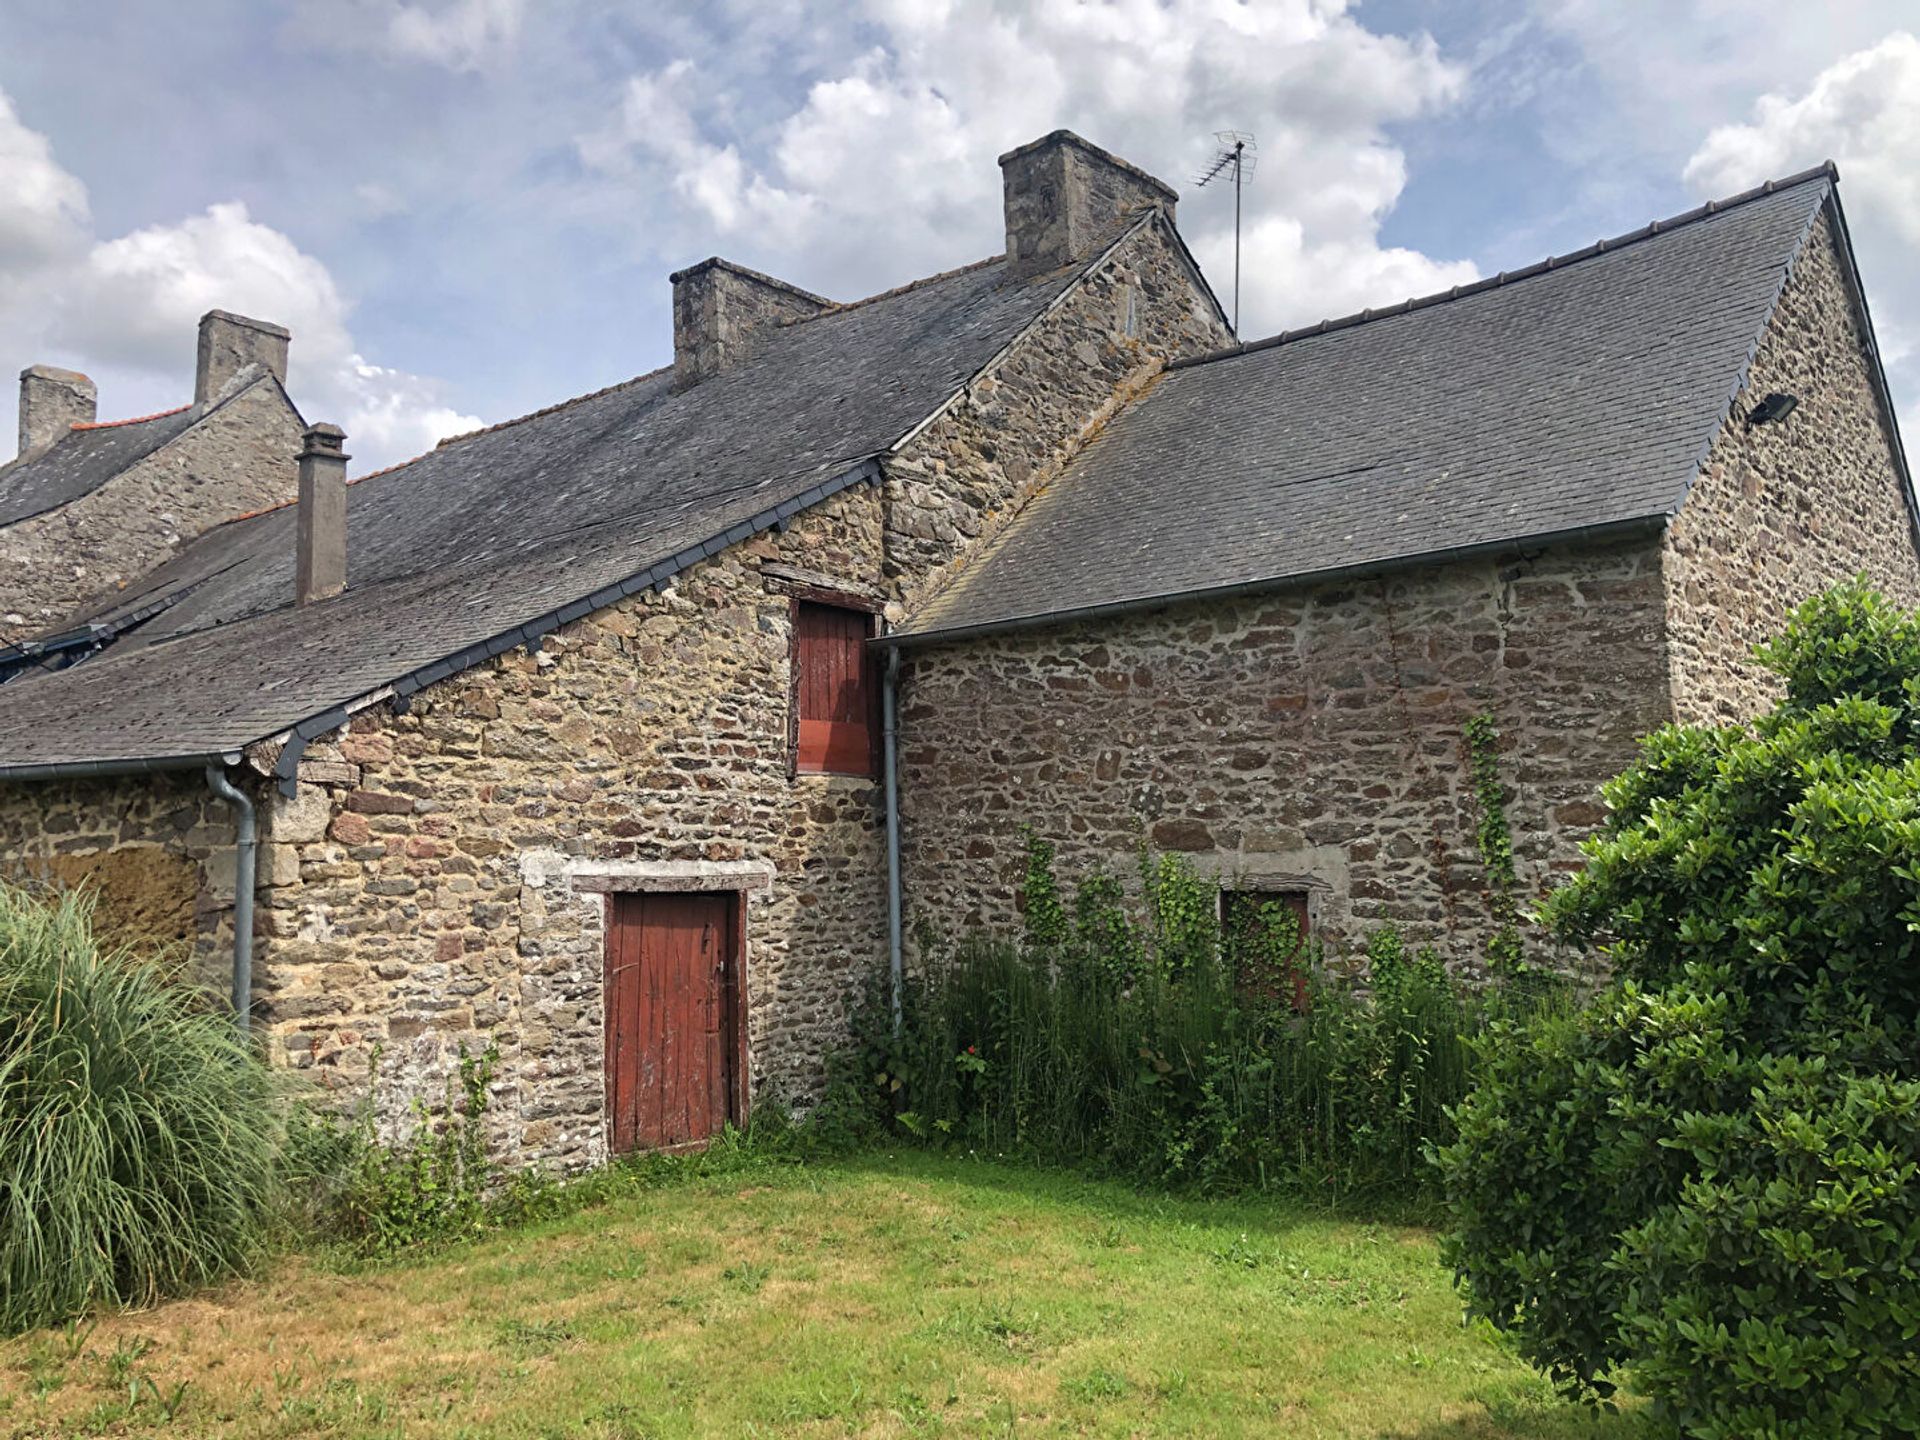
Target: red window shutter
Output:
[(833, 690)]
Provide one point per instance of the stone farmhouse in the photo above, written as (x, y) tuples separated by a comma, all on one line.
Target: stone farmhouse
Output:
[(88, 506), (631, 734)]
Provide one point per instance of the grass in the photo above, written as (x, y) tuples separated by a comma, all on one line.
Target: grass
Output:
[(896, 1295)]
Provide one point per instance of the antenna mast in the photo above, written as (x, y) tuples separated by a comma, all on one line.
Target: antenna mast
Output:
[(1237, 153)]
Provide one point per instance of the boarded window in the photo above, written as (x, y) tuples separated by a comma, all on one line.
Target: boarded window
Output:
[(1266, 940), (835, 697)]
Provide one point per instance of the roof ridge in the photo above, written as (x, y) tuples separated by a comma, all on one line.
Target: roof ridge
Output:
[(840, 307), (542, 412), (1825, 170), (132, 420), (464, 435)]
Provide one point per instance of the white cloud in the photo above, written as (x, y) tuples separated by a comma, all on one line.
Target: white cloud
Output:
[(459, 35), (884, 169), (138, 293), (46, 208), (453, 34), (125, 309), (1863, 112)]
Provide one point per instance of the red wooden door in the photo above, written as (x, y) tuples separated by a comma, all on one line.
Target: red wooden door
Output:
[(833, 691), (672, 1018)]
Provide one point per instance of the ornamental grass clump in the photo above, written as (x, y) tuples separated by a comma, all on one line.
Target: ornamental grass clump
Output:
[(139, 1132)]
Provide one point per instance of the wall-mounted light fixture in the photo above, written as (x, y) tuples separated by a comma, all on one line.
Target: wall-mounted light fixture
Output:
[(1775, 407)]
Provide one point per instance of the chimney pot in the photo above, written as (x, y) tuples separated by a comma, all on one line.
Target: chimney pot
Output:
[(320, 568), (1065, 198), (720, 309), (228, 344), (51, 401)]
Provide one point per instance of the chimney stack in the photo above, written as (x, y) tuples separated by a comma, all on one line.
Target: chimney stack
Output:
[(228, 344), (1066, 198), (320, 568), (51, 400), (720, 309)]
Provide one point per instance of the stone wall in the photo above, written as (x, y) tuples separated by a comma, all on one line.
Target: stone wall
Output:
[(423, 883), (1308, 739), (965, 474), (437, 879), (1782, 510), (240, 458), (156, 851)]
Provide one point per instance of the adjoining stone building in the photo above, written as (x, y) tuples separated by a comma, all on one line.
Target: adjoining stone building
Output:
[(89, 505), (569, 735), (1252, 620)]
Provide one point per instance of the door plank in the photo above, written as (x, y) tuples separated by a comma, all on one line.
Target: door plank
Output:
[(672, 1065)]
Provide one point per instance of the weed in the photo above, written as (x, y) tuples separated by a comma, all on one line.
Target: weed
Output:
[(1097, 1385), (534, 1336), (747, 1276), (127, 1352), (1177, 1054)]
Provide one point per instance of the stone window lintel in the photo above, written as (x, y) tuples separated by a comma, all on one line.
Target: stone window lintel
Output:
[(801, 584)]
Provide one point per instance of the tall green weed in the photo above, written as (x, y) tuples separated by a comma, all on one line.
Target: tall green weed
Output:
[(1163, 1049)]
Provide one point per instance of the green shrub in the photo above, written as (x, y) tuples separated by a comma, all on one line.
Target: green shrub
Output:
[(1166, 1051), (139, 1132), (1709, 1175)]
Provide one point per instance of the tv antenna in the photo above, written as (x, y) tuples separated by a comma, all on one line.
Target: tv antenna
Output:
[(1237, 155)]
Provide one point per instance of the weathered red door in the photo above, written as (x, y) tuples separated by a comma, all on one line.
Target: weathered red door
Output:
[(673, 1017)]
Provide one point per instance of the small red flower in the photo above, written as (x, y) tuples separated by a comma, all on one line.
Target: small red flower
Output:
[(972, 1050)]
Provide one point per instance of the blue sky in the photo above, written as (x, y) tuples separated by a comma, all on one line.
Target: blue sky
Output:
[(466, 209)]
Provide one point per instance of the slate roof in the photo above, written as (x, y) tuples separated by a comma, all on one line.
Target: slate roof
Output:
[(1580, 394), (452, 554), (81, 461)]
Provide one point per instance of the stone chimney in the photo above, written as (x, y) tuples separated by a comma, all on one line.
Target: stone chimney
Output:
[(51, 400), (1065, 199), (228, 344), (720, 309), (320, 567)]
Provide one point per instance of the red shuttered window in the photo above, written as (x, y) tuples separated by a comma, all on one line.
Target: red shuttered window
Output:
[(835, 693)]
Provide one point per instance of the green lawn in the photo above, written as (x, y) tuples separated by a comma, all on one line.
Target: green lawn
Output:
[(896, 1295)]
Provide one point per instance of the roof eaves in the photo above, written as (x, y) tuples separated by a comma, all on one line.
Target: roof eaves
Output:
[(92, 769), (1826, 169), (1606, 530)]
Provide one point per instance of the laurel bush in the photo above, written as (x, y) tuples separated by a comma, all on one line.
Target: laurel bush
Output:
[(1710, 1178)]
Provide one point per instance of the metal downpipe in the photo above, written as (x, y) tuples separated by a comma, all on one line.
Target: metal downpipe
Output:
[(246, 850), (890, 734)]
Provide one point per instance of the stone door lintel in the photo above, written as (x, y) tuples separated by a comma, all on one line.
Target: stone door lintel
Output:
[(604, 877)]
